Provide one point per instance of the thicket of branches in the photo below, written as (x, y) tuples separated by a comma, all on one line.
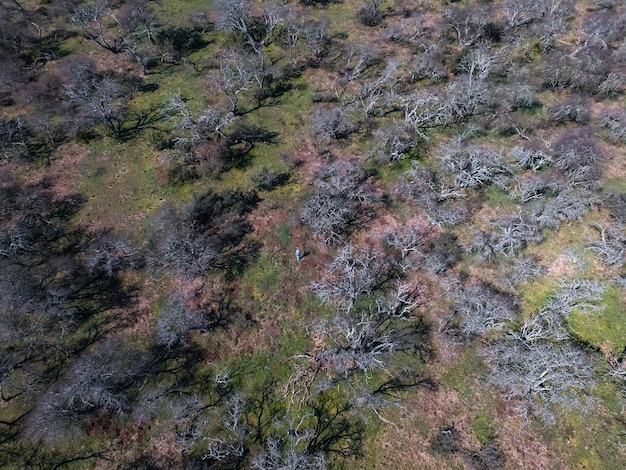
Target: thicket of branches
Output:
[(478, 129)]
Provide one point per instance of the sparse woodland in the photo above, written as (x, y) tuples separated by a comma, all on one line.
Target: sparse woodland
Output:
[(452, 174)]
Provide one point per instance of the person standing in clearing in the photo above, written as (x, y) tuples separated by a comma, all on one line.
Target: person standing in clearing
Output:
[(298, 254)]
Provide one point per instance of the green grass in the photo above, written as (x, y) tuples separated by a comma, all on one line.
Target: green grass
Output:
[(264, 278), (484, 428), (121, 183), (282, 231), (179, 12), (498, 199), (603, 327), (588, 441), (614, 184), (535, 294), (459, 377)]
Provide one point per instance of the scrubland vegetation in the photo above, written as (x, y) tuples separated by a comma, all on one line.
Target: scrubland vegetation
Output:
[(452, 173)]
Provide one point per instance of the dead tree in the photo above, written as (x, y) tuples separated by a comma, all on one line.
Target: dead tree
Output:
[(542, 379), (341, 197), (483, 310), (611, 246), (95, 20)]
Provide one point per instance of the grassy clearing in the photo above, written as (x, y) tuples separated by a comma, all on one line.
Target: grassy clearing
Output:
[(484, 427), (459, 376), (535, 294), (179, 12), (264, 278), (496, 198), (590, 441), (121, 184), (606, 326)]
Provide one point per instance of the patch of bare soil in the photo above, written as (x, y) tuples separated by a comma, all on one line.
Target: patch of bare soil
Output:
[(307, 161), (410, 441), (562, 267), (522, 449), (64, 170), (104, 61)]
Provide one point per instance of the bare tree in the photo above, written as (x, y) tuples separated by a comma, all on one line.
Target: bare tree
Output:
[(175, 321), (468, 23), (429, 65), (98, 98), (615, 122), (97, 383), (340, 199), (574, 109), (569, 204), (294, 33), (436, 193), (364, 340), (480, 62), (611, 246), (542, 378), (408, 241), (230, 441), (393, 143), (95, 20), (522, 270), (557, 70), (138, 18), (188, 253), (189, 129), (353, 274), (369, 14), (318, 41), (514, 233), (538, 187), (409, 29), (521, 12), (239, 16), (332, 123), (530, 158), (552, 25), (474, 167), (17, 239), (306, 437), (12, 138), (111, 255), (483, 310), (424, 110), (550, 323), (207, 236), (378, 96), (612, 85), (233, 78), (289, 452), (468, 98)]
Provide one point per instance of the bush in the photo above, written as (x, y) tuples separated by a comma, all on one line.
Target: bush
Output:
[(340, 198), (332, 123), (578, 154), (369, 16), (575, 109), (267, 177), (179, 41), (212, 210), (483, 309)]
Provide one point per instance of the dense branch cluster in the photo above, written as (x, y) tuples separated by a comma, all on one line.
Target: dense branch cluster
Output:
[(539, 365), (429, 158)]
